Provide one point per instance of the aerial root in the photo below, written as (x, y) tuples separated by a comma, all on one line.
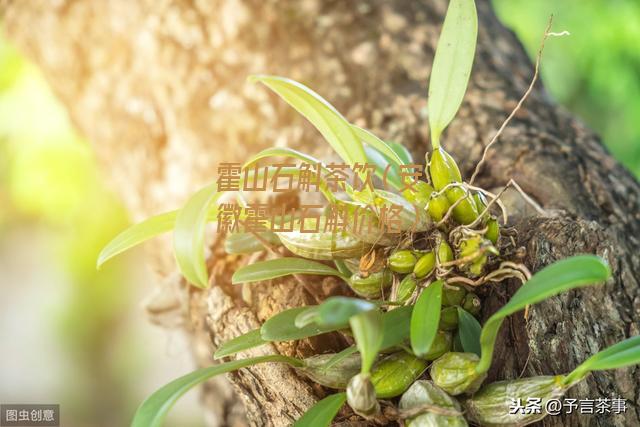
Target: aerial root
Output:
[(536, 71), (507, 270)]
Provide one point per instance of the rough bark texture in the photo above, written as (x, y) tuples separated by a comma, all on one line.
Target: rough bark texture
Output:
[(159, 88)]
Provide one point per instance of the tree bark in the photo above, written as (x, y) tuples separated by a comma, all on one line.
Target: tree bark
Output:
[(159, 89)]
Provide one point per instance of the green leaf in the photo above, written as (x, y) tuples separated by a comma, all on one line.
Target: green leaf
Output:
[(342, 267), (570, 273), (452, 65), (282, 327), (284, 152), (322, 413), (338, 357), (136, 234), (367, 330), (279, 267), (469, 331), (336, 311), (378, 144), (425, 318), (405, 156), (624, 353), (457, 344), (244, 342), (188, 235), (396, 324), (331, 124), (381, 162), (154, 409), (395, 330), (246, 243), (306, 317)]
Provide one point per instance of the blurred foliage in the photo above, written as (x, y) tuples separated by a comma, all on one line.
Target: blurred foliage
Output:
[(594, 72), (49, 183), (51, 188)]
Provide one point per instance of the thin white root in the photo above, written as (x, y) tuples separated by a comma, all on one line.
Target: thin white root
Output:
[(547, 33), (507, 270), (528, 198), (494, 199)]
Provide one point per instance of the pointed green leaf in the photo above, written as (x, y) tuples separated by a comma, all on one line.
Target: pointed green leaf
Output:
[(279, 267), (306, 317), (452, 65), (621, 359), (331, 124), (395, 330), (405, 156), (425, 318), (335, 311), (154, 409), (136, 234), (284, 152), (381, 162), (244, 342), (279, 328), (469, 331), (624, 353), (282, 327), (378, 144), (563, 275), (396, 324), (367, 328), (188, 235), (622, 346), (322, 413), (570, 273)]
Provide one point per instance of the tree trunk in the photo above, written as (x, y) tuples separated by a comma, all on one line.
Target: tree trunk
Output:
[(159, 89)]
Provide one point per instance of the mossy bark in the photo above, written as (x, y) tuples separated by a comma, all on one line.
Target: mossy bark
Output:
[(159, 89)]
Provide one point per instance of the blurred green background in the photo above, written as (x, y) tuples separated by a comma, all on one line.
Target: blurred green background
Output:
[(76, 336), (594, 72), (70, 334)]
